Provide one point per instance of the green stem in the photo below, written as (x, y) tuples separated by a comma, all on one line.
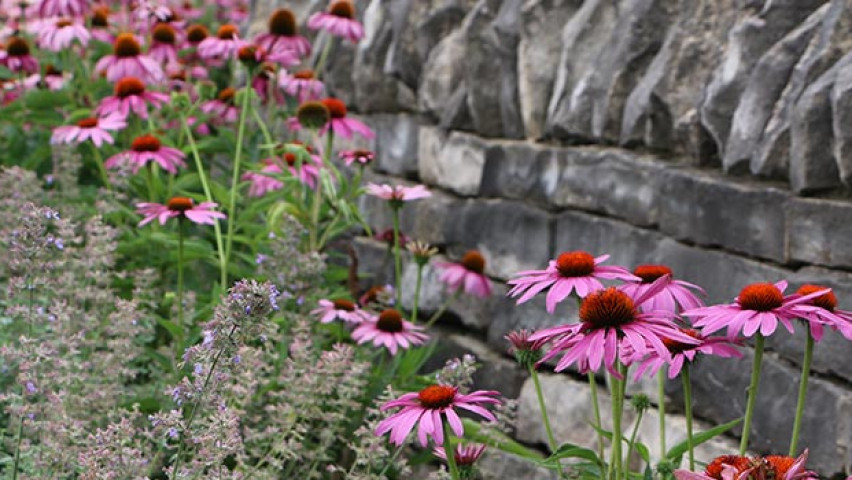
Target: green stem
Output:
[(434, 318), (267, 137), (661, 407), (318, 199), (99, 161), (397, 256), (417, 287), (593, 386), (752, 391), (632, 443), (450, 452), (235, 177), (223, 267), (323, 56), (387, 465), (551, 439), (180, 274), (687, 406), (803, 391), (616, 461)]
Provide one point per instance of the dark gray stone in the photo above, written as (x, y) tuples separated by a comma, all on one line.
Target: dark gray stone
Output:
[(396, 144), (512, 236), (497, 465), (520, 171), (818, 230), (627, 245), (812, 165), (716, 211), (507, 317), (491, 35), (719, 390), (540, 43), (764, 89)]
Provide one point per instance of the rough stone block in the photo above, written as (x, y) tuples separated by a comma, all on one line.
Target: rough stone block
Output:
[(712, 210), (396, 144), (512, 236), (520, 171), (455, 163), (616, 182), (507, 317), (818, 230), (497, 465), (627, 245)]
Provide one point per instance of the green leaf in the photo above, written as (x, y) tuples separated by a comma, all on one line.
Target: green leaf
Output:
[(676, 452), (172, 327), (569, 450), (473, 431)]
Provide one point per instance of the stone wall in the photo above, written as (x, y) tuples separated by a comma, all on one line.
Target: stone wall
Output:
[(713, 136)]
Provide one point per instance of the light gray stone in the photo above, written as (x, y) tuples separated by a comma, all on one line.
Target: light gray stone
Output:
[(841, 109), (812, 166), (396, 144), (754, 33), (593, 105), (457, 165), (764, 88), (443, 74), (497, 465), (539, 45)]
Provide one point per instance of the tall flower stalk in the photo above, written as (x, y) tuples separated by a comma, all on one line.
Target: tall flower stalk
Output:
[(752, 391), (687, 406), (235, 177), (448, 446), (803, 391)]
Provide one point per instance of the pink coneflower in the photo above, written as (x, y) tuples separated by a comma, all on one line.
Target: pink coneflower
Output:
[(610, 321), (302, 85), (379, 294), (464, 455), (428, 408), (340, 309), (52, 79), (682, 352), (58, 35), (283, 34), (164, 43), (95, 128), (467, 274), (127, 60), (391, 330), (100, 25), (224, 45), (181, 207), (361, 157), (339, 21), (526, 351), (187, 9), (145, 149), (195, 34), (130, 95), (62, 8), (307, 171), (675, 297), (738, 467), (570, 272), (261, 184), (823, 310), (16, 57), (759, 307), (223, 107), (342, 125), (263, 83), (398, 193)]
